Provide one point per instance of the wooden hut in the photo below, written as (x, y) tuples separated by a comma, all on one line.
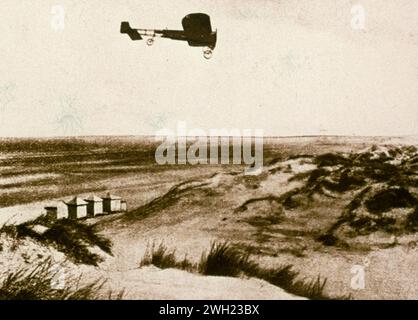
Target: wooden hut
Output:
[(123, 206), (77, 208), (111, 203), (57, 211), (94, 206)]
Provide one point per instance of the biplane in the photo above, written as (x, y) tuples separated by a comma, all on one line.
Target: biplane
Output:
[(197, 31)]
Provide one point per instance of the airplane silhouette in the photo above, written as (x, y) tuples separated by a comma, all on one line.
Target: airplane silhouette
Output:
[(197, 31)]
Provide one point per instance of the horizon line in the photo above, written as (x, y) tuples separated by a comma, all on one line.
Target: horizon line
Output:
[(219, 136)]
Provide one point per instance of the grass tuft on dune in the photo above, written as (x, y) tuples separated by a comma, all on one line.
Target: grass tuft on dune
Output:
[(222, 259), (40, 283)]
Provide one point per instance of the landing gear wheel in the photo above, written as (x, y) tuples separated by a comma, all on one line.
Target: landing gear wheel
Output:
[(207, 52), (150, 41)]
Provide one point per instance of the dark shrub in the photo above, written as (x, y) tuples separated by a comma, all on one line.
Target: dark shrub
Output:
[(331, 159), (316, 174), (328, 239), (388, 199)]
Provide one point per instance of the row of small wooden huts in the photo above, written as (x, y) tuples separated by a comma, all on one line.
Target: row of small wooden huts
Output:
[(78, 207)]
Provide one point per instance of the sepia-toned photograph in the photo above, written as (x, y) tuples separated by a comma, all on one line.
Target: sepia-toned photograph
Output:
[(209, 150)]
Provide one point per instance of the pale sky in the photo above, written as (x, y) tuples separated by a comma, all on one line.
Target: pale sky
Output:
[(287, 67)]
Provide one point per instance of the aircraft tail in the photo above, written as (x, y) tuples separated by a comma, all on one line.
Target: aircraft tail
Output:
[(132, 33)]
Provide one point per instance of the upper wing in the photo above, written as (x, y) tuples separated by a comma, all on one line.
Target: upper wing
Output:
[(196, 25)]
